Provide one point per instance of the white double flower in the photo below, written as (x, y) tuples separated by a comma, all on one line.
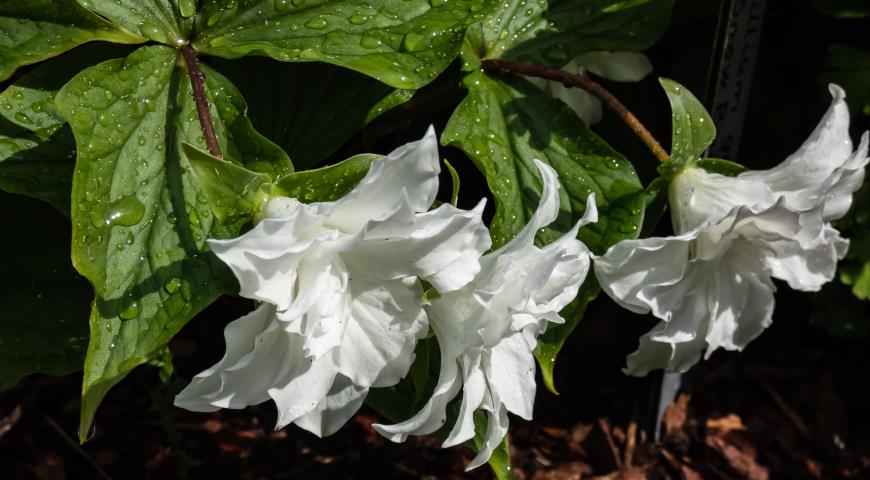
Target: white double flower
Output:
[(488, 330), (340, 288), (711, 283)]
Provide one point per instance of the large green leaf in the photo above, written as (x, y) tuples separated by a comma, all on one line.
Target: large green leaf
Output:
[(403, 43), (164, 21), (37, 150), (139, 223), (309, 109), (502, 126), (33, 30), (45, 303), (551, 33)]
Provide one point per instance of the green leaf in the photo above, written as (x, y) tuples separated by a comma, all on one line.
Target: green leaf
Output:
[(854, 270), (655, 205), (309, 109), (37, 150), (693, 129), (849, 68), (500, 461), (326, 184), (233, 192), (139, 223), (34, 30), (158, 20), (45, 303), (454, 177), (403, 43), (502, 126), (551, 33), (722, 167)]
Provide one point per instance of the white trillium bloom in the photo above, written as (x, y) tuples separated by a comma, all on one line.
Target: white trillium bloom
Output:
[(487, 331), (616, 66), (711, 283), (341, 301)]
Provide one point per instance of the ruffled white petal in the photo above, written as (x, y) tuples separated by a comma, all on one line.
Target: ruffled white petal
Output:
[(824, 169), (214, 388), (511, 374), (266, 258), (698, 198), (412, 168), (487, 330), (339, 405), (342, 301), (388, 319), (442, 246), (496, 430), (712, 287)]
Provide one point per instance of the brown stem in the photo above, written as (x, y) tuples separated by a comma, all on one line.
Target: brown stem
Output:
[(197, 81), (504, 67)]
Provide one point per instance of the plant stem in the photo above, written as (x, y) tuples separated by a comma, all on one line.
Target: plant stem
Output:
[(197, 81), (504, 67)]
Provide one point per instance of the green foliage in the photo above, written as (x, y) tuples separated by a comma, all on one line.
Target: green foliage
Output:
[(34, 30), (143, 195), (139, 222), (552, 35), (45, 303), (502, 125), (163, 21), (403, 43)]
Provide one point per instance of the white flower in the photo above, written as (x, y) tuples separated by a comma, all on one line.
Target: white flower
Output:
[(341, 303), (487, 331), (616, 66), (711, 283)]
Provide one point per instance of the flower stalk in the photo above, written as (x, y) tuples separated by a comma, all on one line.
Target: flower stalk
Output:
[(504, 67), (197, 81)]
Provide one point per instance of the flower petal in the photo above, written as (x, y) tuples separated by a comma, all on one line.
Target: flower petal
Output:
[(839, 197), (412, 168), (635, 273), (442, 246), (303, 381), (545, 214), (698, 198), (807, 176), (212, 389), (432, 416), (340, 404), (583, 103), (387, 320), (474, 388), (265, 259), (510, 372), (496, 430), (616, 66)]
